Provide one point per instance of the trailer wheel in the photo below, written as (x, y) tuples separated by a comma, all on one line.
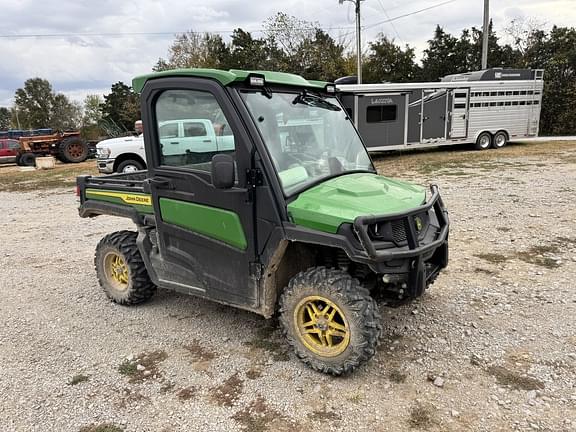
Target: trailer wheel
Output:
[(121, 270), (484, 141), (73, 150), (330, 320), (27, 159), (500, 140)]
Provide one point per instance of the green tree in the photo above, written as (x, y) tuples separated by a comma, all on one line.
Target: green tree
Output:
[(64, 114), (444, 55), (387, 61), (5, 118), (498, 55), (302, 47), (34, 103), (247, 52), (195, 50), (555, 52), (321, 57), (287, 34), (121, 108), (38, 106), (92, 110)]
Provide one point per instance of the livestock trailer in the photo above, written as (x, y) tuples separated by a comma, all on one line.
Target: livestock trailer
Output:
[(487, 107)]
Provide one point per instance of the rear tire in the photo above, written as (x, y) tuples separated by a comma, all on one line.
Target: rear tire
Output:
[(121, 270), (500, 140), (73, 150), (27, 159), (484, 141), (330, 320), (129, 166)]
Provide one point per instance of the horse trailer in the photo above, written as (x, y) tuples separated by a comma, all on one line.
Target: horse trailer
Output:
[(487, 108)]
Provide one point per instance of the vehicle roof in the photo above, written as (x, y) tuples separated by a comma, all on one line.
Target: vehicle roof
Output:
[(229, 77)]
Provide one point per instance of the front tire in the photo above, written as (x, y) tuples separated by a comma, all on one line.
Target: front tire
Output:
[(129, 166), (484, 141), (330, 320), (27, 159), (121, 270)]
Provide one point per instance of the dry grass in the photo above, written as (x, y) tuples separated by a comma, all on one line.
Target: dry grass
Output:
[(422, 416), (77, 379), (514, 380), (104, 427), (397, 376), (186, 393), (12, 179), (494, 258), (455, 160), (150, 361), (259, 417)]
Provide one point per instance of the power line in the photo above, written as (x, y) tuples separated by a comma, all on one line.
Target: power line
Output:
[(391, 22), (172, 33), (408, 14)]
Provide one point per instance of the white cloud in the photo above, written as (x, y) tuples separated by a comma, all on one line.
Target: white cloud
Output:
[(81, 64)]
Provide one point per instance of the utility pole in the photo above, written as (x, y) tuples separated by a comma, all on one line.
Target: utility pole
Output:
[(358, 39), (17, 118), (485, 34)]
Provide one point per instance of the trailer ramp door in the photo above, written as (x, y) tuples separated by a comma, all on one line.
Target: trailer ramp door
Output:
[(459, 113)]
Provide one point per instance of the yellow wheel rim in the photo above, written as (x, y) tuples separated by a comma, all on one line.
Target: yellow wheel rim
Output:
[(321, 326), (116, 270)]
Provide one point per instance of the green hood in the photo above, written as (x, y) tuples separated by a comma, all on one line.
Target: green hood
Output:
[(336, 201)]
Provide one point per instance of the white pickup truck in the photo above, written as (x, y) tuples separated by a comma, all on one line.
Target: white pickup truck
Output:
[(186, 137)]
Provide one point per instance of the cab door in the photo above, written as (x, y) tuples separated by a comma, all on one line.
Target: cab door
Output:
[(204, 234)]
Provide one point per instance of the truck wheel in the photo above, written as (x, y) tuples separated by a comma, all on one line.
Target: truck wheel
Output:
[(129, 166), (484, 141), (121, 270), (73, 150), (330, 320), (500, 140), (27, 159)]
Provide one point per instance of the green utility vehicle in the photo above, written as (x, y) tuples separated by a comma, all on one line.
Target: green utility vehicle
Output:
[(288, 217)]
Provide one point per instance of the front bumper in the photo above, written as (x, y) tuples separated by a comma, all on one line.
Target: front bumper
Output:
[(415, 245), (423, 256), (105, 166)]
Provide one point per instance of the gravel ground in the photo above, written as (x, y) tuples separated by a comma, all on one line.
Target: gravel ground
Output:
[(490, 347)]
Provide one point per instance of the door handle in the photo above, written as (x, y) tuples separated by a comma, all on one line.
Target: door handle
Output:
[(207, 141), (159, 183)]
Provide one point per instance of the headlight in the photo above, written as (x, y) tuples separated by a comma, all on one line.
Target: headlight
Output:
[(103, 152)]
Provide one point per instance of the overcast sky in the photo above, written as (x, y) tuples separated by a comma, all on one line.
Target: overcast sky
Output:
[(78, 64)]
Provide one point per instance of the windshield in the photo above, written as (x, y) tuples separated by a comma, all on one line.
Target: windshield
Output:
[(309, 137)]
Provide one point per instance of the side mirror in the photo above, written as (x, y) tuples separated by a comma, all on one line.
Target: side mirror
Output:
[(223, 171)]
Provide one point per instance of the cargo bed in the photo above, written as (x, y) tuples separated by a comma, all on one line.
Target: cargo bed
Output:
[(122, 195)]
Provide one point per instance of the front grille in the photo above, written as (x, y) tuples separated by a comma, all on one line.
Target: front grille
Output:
[(398, 231), (395, 230)]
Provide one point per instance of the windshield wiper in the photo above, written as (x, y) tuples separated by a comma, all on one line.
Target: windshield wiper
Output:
[(315, 101)]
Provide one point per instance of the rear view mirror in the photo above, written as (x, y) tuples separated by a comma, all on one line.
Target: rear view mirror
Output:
[(223, 171)]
